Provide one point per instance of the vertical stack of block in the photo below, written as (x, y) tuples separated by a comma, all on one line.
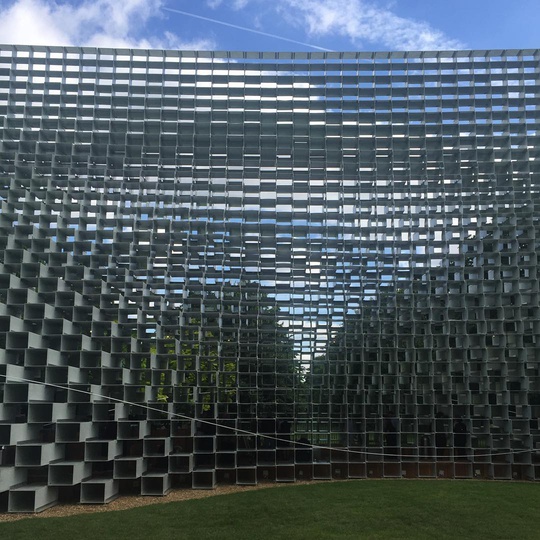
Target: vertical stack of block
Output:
[(246, 267)]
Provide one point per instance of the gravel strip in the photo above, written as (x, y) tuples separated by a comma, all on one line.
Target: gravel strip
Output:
[(126, 502)]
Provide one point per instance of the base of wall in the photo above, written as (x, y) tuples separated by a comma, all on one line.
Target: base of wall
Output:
[(33, 498)]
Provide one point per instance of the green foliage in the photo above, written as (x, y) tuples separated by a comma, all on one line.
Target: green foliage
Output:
[(162, 397), (240, 350)]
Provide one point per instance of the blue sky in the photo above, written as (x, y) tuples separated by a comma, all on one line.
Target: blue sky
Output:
[(325, 24)]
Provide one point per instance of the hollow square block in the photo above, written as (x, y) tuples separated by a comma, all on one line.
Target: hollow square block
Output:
[(155, 484), (128, 467), (31, 498), (204, 479), (98, 491), (65, 473)]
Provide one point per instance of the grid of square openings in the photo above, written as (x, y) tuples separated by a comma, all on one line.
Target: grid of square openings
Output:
[(333, 239)]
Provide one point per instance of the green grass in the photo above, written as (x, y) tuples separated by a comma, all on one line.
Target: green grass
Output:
[(357, 509)]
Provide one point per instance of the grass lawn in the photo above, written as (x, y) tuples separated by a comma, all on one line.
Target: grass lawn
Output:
[(356, 509)]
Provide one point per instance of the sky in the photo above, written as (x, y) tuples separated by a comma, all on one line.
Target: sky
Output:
[(275, 25)]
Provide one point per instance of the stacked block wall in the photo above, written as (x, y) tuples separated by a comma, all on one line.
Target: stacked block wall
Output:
[(341, 248)]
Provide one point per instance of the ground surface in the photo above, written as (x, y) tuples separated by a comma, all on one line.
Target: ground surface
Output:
[(375, 509), (134, 501)]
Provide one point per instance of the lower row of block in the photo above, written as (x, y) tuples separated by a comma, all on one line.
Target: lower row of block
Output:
[(36, 497)]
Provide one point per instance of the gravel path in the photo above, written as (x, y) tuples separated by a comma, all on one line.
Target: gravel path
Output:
[(133, 501)]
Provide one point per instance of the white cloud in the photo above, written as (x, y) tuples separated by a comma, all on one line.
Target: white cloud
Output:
[(99, 23), (362, 20), (240, 4), (137, 23), (236, 4)]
